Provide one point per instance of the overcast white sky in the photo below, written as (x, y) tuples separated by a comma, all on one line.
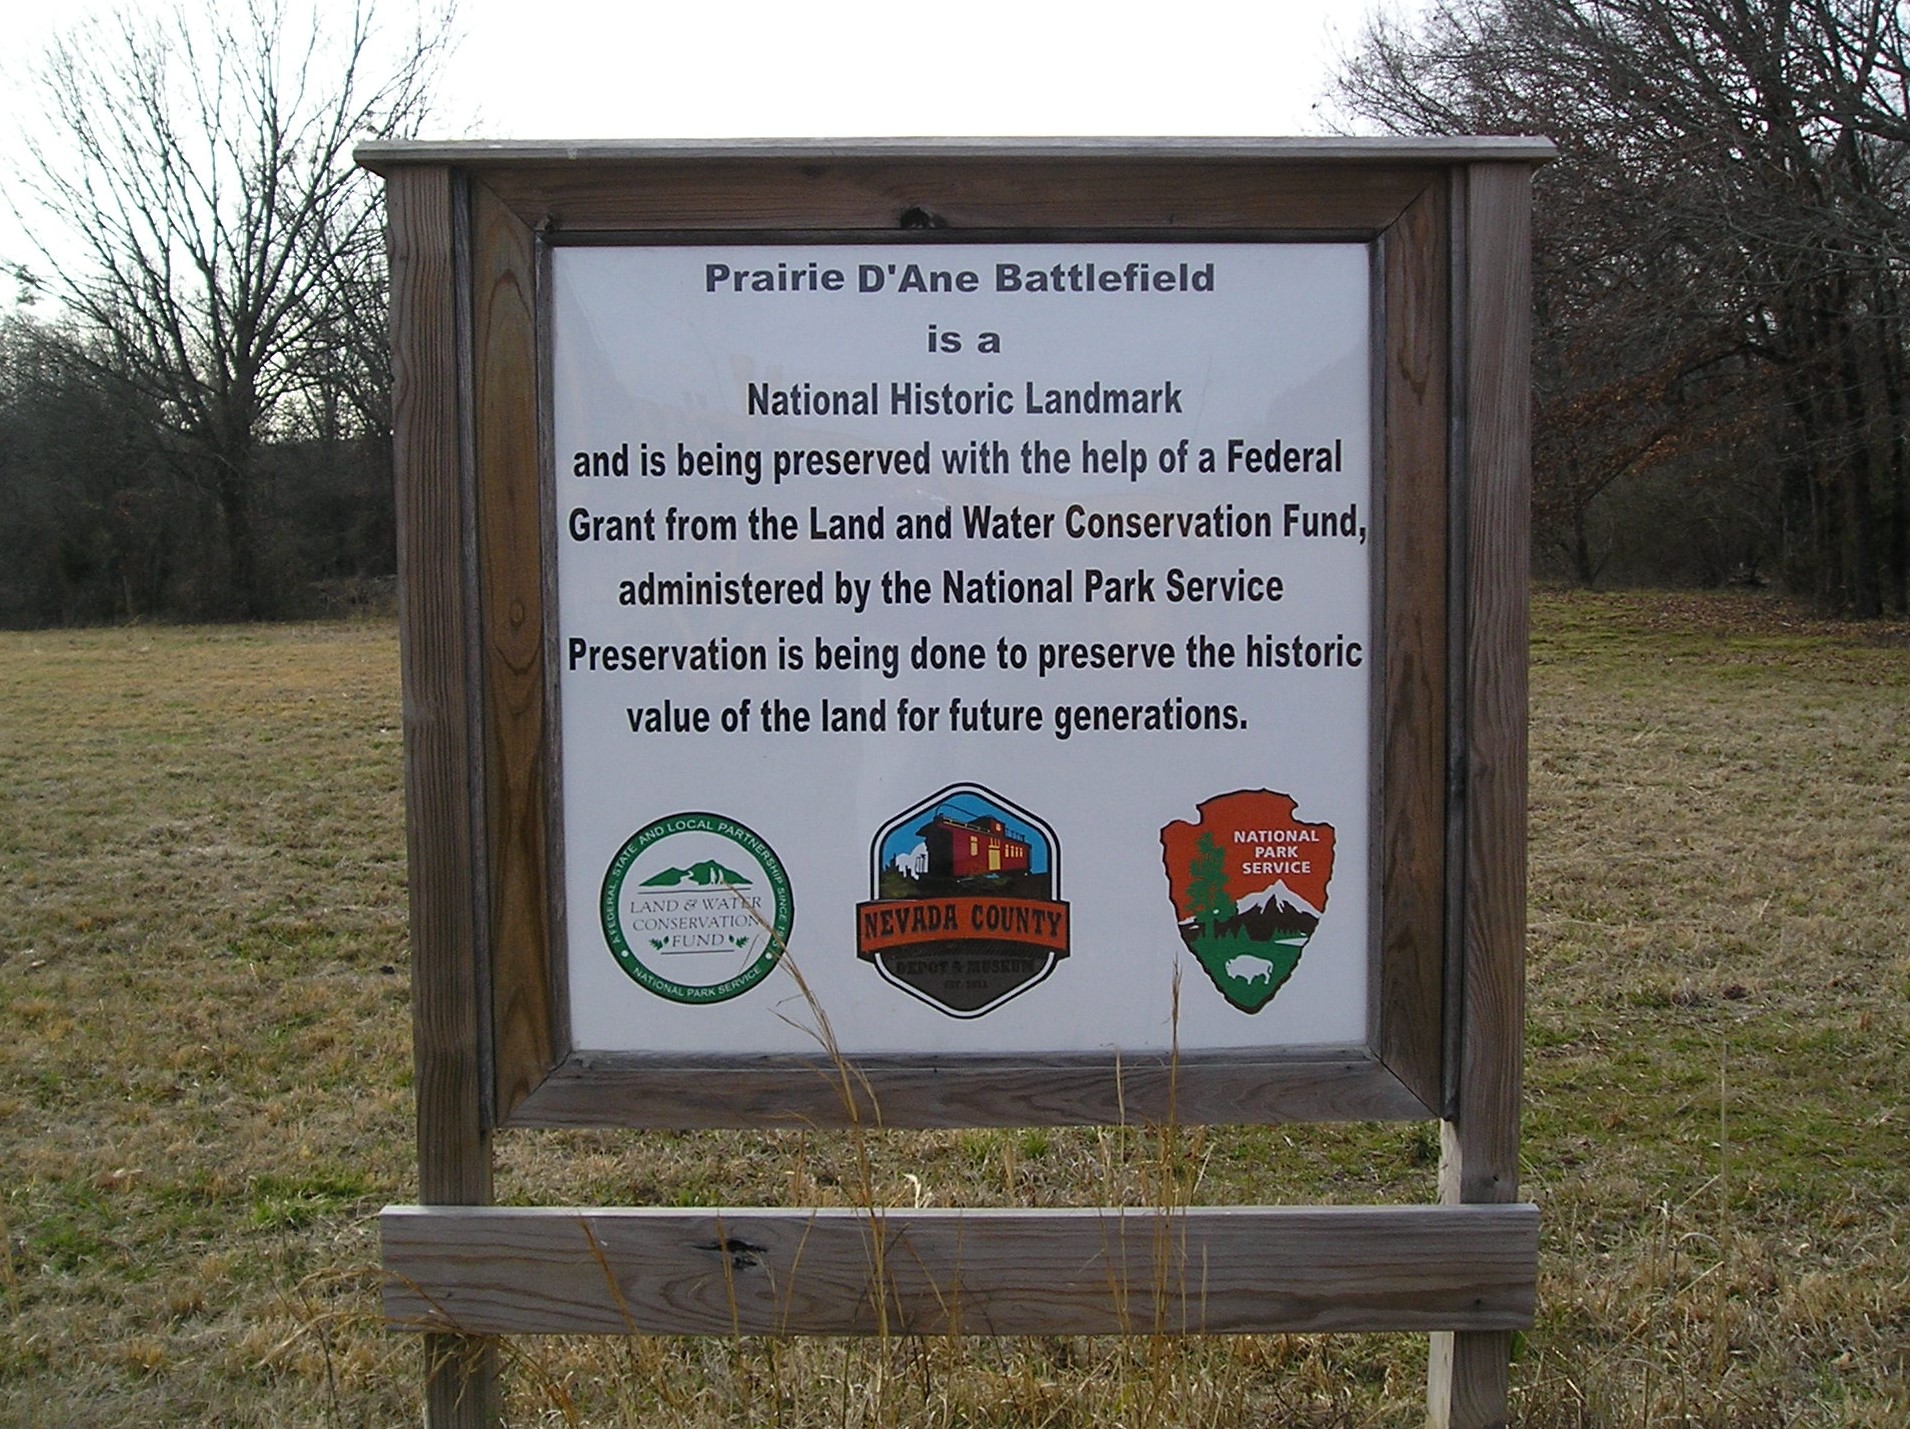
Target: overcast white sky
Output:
[(865, 67), (575, 69)]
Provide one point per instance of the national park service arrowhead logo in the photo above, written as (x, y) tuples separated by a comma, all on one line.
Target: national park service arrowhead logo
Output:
[(963, 911), (696, 908), (1248, 882)]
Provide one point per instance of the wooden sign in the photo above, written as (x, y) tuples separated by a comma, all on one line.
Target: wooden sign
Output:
[(1038, 624)]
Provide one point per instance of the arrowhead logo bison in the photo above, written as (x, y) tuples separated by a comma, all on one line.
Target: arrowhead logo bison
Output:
[(1248, 882)]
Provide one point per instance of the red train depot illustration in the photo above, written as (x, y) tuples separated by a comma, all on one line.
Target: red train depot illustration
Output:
[(964, 911), (958, 849)]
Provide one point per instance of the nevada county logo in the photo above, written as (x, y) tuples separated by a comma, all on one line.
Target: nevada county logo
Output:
[(1248, 883), (696, 908), (963, 911)]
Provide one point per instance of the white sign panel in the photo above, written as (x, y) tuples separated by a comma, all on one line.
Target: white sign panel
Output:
[(969, 643)]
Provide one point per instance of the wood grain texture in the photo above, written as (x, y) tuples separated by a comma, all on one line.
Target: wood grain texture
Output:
[(1498, 518), (1468, 1380), (1229, 1270), (1205, 1088), (434, 615), (461, 1386), (508, 492), (1415, 259), (1468, 1377), (1436, 150), (454, 1154), (1075, 195)]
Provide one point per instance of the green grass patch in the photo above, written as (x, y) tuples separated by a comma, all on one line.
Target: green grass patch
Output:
[(205, 1070), (293, 1202)]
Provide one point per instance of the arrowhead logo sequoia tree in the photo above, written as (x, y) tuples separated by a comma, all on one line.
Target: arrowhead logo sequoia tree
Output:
[(1248, 883)]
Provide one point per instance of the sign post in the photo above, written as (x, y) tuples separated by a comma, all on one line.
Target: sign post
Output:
[(1038, 624)]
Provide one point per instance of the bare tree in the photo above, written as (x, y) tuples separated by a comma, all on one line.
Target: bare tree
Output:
[(1721, 250), (200, 167)]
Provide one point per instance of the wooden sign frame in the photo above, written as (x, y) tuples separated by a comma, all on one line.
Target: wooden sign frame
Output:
[(1447, 226)]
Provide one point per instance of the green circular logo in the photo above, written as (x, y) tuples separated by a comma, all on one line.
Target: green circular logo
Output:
[(697, 908)]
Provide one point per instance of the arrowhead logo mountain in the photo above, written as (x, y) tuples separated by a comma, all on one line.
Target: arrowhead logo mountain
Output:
[(1248, 882)]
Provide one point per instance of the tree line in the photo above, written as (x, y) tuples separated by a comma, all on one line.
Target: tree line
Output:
[(1720, 267), (200, 426), (197, 422)]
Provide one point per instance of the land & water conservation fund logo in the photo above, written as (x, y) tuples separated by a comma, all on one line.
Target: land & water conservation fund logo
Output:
[(964, 909), (1249, 887), (697, 908)]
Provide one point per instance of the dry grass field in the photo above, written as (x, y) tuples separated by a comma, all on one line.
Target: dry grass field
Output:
[(204, 1070)]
